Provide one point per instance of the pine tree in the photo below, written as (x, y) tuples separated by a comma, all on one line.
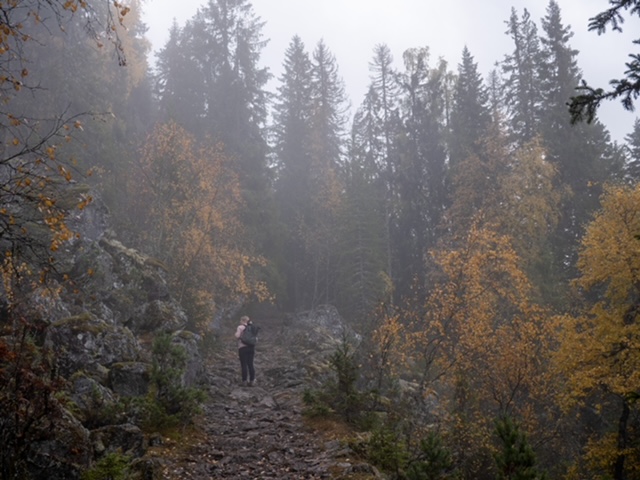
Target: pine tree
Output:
[(223, 42), (470, 114), (292, 147), (516, 460), (582, 154), (321, 221), (632, 168), (421, 166), (522, 82)]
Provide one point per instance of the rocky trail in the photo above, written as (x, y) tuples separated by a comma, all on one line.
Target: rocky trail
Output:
[(257, 432)]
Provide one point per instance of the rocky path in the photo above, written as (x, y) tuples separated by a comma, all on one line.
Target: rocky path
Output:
[(258, 432)]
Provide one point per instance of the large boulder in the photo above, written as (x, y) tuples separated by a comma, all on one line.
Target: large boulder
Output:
[(126, 438), (99, 317), (83, 342), (130, 379), (94, 404), (320, 329), (64, 452), (157, 316), (194, 368)]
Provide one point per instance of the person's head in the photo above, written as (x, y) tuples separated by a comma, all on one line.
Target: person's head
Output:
[(244, 320)]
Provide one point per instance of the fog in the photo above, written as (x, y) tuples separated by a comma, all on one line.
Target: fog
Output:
[(351, 28)]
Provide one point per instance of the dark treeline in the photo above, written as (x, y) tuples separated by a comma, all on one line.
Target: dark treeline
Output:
[(451, 215)]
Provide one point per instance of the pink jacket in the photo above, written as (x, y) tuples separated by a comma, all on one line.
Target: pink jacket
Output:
[(239, 331)]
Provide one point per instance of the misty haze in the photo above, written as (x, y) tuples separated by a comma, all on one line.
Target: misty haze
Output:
[(222, 260)]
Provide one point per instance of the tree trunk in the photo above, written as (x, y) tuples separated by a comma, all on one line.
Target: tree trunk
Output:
[(618, 472)]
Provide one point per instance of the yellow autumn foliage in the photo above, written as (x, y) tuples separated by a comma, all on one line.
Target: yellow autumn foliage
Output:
[(599, 353), (187, 203), (481, 341)]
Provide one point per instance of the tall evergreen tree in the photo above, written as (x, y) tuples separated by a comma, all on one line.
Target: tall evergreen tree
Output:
[(292, 146), (470, 114), (422, 166), (329, 108), (364, 243), (632, 168), (327, 122), (224, 40), (522, 77), (362, 278), (180, 83), (386, 90), (582, 154), (384, 103)]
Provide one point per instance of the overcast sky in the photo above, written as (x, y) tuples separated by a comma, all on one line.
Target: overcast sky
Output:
[(351, 29)]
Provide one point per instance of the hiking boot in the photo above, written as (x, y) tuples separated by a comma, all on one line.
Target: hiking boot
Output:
[(245, 383), (252, 383)]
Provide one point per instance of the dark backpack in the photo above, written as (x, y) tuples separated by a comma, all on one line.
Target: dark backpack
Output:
[(249, 335)]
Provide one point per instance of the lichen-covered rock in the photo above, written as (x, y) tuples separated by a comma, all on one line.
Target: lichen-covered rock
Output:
[(64, 453), (321, 327), (194, 368), (130, 379), (95, 405), (83, 342), (157, 316), (126, 438), (99, 318)]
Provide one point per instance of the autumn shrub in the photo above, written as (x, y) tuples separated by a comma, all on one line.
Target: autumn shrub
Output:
[(28, 388)]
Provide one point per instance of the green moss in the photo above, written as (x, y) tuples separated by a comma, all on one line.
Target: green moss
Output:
[(84, 322)]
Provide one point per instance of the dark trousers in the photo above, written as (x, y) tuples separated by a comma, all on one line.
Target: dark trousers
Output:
[(246, 355)]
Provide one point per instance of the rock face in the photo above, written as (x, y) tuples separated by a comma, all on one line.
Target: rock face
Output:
[(100, 329)]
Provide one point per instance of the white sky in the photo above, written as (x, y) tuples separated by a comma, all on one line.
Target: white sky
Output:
[(351, 29)]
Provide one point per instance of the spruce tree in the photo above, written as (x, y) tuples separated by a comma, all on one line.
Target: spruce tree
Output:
[(327, 137), (632, 168), (516, 459), (384, 101), (421, 167), (522, 87), (363, 241), (470, 114), (180, 83), (292, 147), (224, 41), (583, 154)]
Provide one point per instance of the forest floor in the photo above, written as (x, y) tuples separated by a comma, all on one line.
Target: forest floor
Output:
[(259, 432)]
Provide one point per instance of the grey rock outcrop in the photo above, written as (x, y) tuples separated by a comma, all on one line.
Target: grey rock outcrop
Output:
[(130, 379), (100, 328)]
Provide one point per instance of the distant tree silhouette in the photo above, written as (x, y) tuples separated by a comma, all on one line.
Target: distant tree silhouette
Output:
[(584, 105)]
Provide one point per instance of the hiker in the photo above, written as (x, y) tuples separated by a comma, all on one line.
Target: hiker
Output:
[(246, 353)]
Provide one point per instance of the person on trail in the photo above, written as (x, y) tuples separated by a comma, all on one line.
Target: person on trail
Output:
[(246, 353)]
